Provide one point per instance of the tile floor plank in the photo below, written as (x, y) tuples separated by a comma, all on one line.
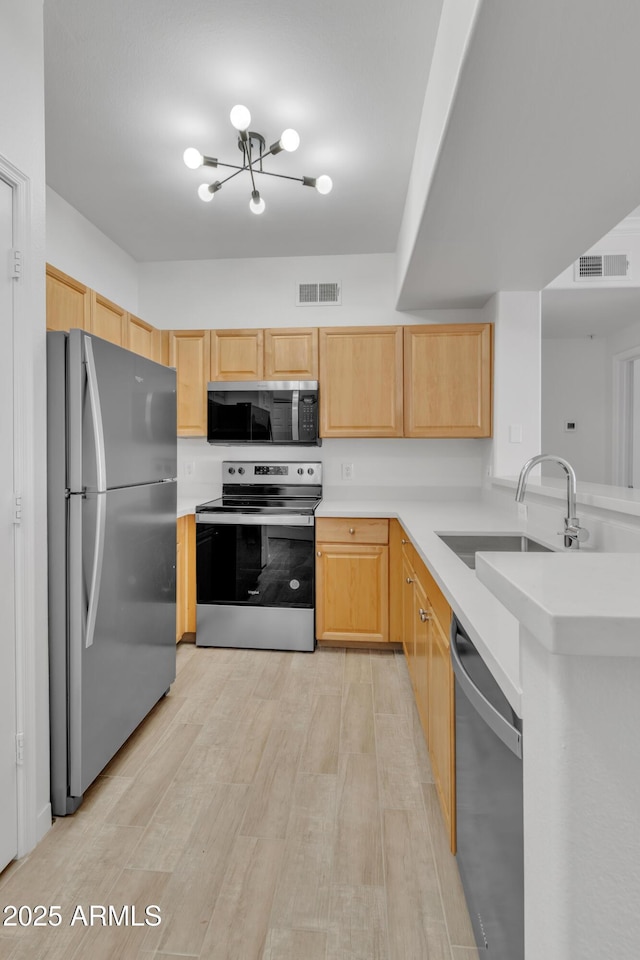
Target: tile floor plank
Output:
[(358, 837), (240, 920), (320, 752), (357, 732)]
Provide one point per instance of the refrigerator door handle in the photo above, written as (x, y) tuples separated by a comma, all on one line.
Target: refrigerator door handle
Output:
[(101, 481), (96, 416), (96, 572)]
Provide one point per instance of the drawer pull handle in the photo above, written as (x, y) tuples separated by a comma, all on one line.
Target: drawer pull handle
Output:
[(405, 541), (423, 614), (352, 529), (319, 553), (409, 580)]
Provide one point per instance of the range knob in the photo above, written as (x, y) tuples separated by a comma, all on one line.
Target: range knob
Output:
[(310, 470), (240, 469), (300, 471), (232, 469)]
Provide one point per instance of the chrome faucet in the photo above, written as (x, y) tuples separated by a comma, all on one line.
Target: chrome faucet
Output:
[(573, 533)]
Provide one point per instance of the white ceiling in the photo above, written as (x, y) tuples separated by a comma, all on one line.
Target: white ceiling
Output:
[(130, 83), (590, 312)]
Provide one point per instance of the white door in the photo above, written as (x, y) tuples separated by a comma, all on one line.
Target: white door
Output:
[(8, 792)]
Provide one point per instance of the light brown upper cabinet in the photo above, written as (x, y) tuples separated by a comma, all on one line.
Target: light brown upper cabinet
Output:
[(447, 380), (68, 302), (189, 353), (143, 339), (360, 381), (237, 354), (108, 320), (291, 354)]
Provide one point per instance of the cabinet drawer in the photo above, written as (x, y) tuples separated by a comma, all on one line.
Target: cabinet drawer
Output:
[(352, 530)]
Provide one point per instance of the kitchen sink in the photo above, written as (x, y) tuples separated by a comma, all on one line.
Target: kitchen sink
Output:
[(466, 545)]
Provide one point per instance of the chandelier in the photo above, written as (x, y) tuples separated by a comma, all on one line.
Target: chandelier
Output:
[(252, 145)]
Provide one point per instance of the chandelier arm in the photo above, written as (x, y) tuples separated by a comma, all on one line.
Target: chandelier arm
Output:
[(231, 175)]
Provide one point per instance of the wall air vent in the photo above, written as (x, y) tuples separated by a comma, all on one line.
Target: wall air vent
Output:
[(602, 266), (318, 294)]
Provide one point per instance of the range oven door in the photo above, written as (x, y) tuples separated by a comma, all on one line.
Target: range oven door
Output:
[(255, 581), (255, 560)]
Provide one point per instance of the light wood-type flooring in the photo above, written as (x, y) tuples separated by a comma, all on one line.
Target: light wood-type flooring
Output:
[(275, 806)]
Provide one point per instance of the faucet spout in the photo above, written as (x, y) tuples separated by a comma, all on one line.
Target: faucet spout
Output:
[(573, 532)]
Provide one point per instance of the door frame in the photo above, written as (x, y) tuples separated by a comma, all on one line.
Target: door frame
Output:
[(30, 640), (623, 415)]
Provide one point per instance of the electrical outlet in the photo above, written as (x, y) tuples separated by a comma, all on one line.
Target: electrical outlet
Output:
[(189, 468), (522, 511), (347, 471)]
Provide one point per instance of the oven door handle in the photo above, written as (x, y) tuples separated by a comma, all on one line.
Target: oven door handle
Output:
[(256, 519), (510, 735)]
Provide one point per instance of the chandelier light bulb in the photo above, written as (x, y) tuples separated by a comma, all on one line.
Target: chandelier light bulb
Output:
[(290, 140), (192, 158), (256, 204), (240, 117), (324, 184), (205, 193)]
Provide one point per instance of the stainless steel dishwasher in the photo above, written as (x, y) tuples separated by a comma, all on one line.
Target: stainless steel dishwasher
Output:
[(488, 803)]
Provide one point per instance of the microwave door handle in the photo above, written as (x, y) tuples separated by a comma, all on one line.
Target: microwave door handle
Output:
[(295, 413)]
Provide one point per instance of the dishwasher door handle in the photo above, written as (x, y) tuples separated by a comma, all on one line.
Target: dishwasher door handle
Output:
[(510, 735)]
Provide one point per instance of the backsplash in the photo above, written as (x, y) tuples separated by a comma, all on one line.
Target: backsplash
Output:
[(406, 468)]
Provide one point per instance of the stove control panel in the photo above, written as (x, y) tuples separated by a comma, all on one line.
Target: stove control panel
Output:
[(271, 471)]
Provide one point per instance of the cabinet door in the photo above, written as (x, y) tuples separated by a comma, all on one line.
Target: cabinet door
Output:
[(143, 339), (408, 619), (422, 623), (361, 382), (352, 592), (237, 354), (442, 724), (189, 354), (447, 371), (108, 320), (68, 302), (291, 354)]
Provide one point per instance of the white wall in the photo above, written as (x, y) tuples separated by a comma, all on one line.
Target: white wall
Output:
[(77, 247), (261, 292), (22, 146), (398, 468), (516, 379), (575, 387)]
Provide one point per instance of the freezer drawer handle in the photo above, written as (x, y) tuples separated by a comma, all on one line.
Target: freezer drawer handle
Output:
[(510, 736), (101, 505)]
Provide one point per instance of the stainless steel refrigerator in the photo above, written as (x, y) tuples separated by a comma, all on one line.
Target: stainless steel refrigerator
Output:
[(111, 460)]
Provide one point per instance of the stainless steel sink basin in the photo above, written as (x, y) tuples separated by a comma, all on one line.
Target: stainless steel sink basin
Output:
[(466, 545)]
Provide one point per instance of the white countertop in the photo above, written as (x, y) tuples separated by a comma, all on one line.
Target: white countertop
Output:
[(576, 603), (492, 628)]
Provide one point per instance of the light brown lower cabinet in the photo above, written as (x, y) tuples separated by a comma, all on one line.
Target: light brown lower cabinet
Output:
[(426, 617), (186, 578), (352, 580)]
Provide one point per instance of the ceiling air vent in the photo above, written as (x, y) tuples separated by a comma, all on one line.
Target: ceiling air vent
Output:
[(602, 266), (318, 294)]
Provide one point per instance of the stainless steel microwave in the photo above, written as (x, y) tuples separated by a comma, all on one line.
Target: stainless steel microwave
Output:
[(264, 411)]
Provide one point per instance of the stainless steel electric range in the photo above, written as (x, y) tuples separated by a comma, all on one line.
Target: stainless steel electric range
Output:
[(255, 568)]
